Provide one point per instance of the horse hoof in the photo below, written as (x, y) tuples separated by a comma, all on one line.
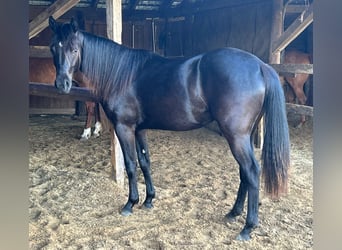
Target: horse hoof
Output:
[(229, 218), (147, 206), (126, 212), (300, 125), (243, 237)]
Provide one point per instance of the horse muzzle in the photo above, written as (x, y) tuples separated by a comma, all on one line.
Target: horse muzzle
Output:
[(63, 84)]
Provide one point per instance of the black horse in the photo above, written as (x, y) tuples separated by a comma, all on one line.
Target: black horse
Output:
[(140, 90)]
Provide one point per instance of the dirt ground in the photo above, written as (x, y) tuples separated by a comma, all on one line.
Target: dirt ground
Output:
[(74, 204)]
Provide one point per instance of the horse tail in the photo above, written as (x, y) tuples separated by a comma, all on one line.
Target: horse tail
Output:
[(276, 148)]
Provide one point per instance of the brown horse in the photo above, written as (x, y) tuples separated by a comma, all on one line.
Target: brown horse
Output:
[(295, 88), (43, 70)]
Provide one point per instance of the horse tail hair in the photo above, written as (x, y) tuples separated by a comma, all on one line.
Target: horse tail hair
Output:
[(276, 148)]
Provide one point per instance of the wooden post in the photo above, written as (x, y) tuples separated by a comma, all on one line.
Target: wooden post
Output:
[(277, 29), (274, 58), (80, 107), (114, 20), (114, 30)]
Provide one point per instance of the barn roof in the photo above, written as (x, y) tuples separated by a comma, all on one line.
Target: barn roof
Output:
[(141, 9)]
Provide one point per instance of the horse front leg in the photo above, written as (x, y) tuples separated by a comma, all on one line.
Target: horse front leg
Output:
[(87, 129), (98, 125), (144, 162), (126, 136)]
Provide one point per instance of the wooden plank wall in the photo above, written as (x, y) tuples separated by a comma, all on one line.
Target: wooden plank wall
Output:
[(244, 27)]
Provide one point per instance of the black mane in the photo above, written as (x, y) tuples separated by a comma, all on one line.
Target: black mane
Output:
[(109, 66)]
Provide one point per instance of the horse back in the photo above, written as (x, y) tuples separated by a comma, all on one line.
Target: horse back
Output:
[(298, 57)]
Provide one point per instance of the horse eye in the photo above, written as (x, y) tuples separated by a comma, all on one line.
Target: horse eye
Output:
[(74, 50)]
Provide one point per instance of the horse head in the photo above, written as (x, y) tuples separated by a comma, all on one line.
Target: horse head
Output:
[(66, 51)]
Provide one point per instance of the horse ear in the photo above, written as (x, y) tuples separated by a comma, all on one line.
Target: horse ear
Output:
[(74, 25), (52, 23)]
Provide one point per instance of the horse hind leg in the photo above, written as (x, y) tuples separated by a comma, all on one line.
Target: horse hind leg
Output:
[(242, 150), (297, 85), (302, 100)]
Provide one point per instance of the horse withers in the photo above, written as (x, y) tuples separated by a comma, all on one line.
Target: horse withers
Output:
[(140, 90), (43, 70)]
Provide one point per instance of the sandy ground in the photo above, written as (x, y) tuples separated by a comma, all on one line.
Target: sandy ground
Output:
[(74, 204)]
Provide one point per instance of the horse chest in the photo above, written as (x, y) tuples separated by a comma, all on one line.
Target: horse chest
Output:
[(124, 110)]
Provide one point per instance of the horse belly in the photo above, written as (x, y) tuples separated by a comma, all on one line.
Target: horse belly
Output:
[(175, 115)]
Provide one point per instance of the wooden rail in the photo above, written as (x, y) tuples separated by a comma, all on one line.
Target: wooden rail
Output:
[(48, 90), (299, 109), (292, 68), (84, 94)]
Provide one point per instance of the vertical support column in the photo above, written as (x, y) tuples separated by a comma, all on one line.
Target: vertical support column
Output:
[(114, 30), (114, 20), (274, 58), (117, 159), (80, 107), (309, 84), (277, 29)]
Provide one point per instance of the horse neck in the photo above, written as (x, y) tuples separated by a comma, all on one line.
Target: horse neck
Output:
[(109, 66), (81, 79)]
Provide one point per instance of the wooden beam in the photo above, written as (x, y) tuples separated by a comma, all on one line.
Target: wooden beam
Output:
[(40, 51), (114, 30), (299, 109), (188, 8), (56, 9), (295, 8), (303, 21), (293, 68), (99, 15), (48, 90)]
